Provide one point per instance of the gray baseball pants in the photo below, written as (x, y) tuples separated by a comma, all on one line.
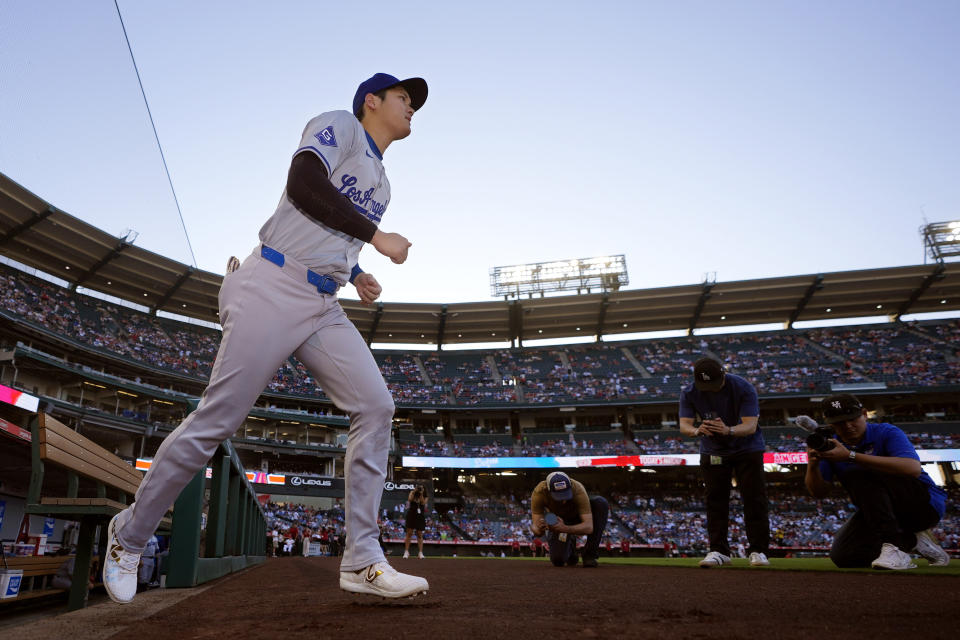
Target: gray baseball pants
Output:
[(268, 313)]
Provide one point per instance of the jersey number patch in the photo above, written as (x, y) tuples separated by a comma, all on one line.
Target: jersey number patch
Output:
[(326, 137)]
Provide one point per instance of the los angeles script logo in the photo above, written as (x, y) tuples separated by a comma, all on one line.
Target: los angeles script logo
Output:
[(363, 200)]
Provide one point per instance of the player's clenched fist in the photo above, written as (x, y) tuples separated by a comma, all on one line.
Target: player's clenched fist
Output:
[(392, 245), (367, 288)]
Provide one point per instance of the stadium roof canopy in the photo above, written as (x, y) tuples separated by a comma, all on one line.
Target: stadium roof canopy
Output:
[(41, 236)]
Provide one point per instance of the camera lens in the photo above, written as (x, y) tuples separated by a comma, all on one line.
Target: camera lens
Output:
[(819, 442)]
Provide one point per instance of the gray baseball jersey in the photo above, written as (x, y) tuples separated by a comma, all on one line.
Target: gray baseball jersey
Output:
[(355, 168)]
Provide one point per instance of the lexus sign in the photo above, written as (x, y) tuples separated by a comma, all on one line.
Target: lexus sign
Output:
[(313, 482), (398, 486), (300, 481), (315, 485)]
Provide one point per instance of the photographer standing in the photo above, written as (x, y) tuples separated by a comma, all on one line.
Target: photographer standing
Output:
[(730, 446), (416, 520), (562, 507), (897, 502)]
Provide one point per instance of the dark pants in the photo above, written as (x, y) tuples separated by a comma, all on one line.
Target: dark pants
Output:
[(565, 551), (747, 468), (889, 509)]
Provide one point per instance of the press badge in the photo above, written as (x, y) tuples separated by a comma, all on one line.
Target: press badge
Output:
[(716, 460)]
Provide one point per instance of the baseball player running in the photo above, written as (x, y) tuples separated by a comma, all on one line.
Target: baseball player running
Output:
[(281, 301)]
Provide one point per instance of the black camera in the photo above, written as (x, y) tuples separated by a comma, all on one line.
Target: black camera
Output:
[(821, 439)]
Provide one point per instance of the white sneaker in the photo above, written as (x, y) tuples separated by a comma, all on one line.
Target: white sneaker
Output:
[(406, 554), (715, 559), (380, 579), (119, 569), (758, 559), (420, 555), (929, 548), (892, 558)]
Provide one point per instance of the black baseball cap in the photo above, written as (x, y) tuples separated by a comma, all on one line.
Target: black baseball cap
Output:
[(416, 87), (840, 407), (560, 486), (707, 374)]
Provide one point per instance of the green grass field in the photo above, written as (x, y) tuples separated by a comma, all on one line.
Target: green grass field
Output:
[(776, 564)]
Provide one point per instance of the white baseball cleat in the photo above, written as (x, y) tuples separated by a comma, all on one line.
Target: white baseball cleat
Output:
[(715, 559), (929, 548), (119, 568), (406, 554), (380, 579), (420, 555), (758, 559), (892, 558)]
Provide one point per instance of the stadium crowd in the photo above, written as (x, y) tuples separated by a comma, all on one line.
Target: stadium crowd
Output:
[(441, 448), (667, 443), (288, 525), (665, 520), (799, 361)]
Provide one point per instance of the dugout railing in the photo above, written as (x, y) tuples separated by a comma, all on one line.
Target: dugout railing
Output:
[(236, 533)]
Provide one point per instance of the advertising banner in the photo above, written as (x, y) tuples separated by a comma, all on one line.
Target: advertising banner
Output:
[(667, 460), (308, 482), (19, 398), (557, 462), (14, 430)]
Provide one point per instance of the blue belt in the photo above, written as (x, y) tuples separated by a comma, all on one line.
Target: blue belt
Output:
[(324, 284)]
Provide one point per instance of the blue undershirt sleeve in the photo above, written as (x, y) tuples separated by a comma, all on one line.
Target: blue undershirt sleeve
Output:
[(355, 272)]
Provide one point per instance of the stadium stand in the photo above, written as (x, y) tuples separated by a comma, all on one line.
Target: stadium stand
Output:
[(779, 362), (117, 370)]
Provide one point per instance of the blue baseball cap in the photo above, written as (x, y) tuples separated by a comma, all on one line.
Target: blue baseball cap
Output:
[(416, 87), (560, 486)]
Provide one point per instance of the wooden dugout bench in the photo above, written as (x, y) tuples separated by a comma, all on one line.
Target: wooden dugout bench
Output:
[(38, 571), (73, 478)]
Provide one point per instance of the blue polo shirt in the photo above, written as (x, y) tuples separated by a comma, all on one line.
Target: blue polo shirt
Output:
[(883, 439), (737, 399)]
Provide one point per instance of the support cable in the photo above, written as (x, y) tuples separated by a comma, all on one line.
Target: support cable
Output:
[(157, 137)]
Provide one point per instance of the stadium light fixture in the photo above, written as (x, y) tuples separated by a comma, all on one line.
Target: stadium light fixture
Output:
[(941, 240), (606, 273)]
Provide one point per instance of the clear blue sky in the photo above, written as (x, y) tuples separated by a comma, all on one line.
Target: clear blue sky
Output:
[(753, 139)]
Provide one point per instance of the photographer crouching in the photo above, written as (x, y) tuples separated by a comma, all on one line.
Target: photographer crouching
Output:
[(897, 502), (561, 506)]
